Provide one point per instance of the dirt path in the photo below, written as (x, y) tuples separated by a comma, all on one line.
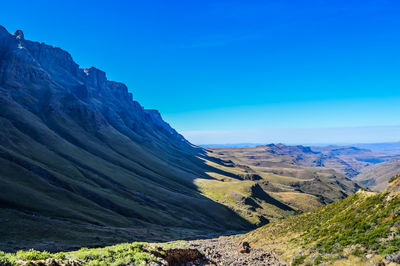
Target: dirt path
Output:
[(226, 251)]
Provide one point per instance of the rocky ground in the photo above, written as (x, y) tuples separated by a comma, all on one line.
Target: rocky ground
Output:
[(229, 251)]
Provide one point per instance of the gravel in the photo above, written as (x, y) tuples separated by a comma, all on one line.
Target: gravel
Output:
[(226, 251)]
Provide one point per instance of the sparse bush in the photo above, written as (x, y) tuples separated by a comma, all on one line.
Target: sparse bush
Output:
[(318, 260), (299, 260)]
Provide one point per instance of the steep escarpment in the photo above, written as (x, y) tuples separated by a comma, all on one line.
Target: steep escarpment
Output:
[(75, 146)]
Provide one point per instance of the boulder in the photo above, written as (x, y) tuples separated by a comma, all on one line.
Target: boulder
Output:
[(244, 247)]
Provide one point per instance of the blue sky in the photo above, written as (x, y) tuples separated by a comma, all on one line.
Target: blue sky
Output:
[(239, 71)]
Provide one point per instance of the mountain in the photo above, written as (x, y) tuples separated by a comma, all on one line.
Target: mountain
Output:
[(377, 177), (232, 145), (350, 160), (76, 148)]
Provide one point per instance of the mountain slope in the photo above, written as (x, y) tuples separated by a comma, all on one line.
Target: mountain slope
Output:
[(289, 169), (377, 177), (74, 145), (343, 232), (394, 184)]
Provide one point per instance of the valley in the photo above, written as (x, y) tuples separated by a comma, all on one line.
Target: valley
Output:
[(84, 168), (358, 230)]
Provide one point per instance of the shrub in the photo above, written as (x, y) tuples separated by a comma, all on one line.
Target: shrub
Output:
[(299, 260), (32, 255), (6, 259)]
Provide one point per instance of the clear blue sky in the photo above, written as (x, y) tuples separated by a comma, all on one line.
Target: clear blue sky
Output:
[(229, 71)]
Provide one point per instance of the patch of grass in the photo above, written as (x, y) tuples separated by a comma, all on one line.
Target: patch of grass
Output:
[(318, 260)]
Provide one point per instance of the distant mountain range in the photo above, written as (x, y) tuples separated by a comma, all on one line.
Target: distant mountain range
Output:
[(348, 160), (392, 148)]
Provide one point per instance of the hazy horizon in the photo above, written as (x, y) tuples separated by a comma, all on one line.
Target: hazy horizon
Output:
[(299, 136)]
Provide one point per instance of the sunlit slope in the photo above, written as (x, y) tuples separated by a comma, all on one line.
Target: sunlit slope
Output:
[(344, 231), (274, 190)]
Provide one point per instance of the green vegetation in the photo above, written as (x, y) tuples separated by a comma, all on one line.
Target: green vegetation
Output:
[(299, 260), (242, 197), (364, 223), (121, 254)]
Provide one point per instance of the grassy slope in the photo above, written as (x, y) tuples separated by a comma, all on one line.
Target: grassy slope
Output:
[(342, 232), (284, 172), (274, 190)]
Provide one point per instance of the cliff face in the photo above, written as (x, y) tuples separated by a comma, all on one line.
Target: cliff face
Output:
[(40, 69), (75, 145)]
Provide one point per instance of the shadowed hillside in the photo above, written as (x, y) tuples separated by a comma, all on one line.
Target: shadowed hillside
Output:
[(76, 147)]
